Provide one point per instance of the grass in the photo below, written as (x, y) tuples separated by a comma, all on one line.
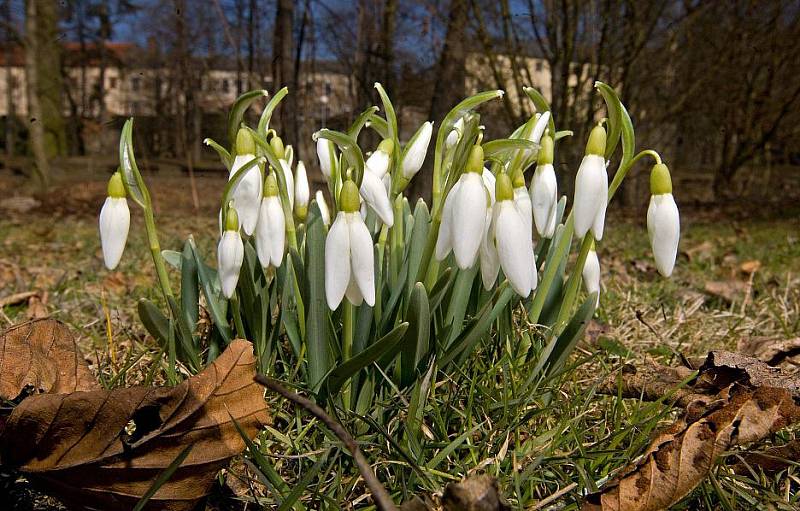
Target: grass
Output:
[(537, 436)]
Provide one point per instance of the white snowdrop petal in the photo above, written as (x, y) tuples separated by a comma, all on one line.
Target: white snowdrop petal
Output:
[(325, 153), (362, 258), (663, 226), (337, 261), (591, 274), (247, 193), (302, 194), (539, 127), (490, 262), (544, 198), (377, 163), (513, 249), (588, 192), (374, 194), (600, 217), (287, 174), (415, 153), (353, 294), (115, 221), (489, 181), (444, 241), (322, 204), (275, 230), (523, 202), (230, 253), (469, 217)]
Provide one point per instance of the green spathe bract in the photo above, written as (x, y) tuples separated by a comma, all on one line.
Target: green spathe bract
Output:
[(429, 317)]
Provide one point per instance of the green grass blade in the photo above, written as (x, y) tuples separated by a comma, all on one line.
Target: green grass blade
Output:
[(163, 477)]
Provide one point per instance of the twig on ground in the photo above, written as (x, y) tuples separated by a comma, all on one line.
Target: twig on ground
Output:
[(557, 495), (379, 493)]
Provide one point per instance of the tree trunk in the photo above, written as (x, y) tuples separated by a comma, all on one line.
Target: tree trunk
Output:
[(49, 81), (282, 72), (449, 87), (37, 133)]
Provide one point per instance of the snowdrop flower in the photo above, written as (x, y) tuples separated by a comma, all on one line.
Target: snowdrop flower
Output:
[(349, 256), (230, 253), (522, 200), (591, 274), (246, 194), (539, 127), (464, 214), (115, 221), (324, 212), (301, 192), (326, 152), (512, 238), (489, 182), (591, 187), (663, 220), (286, 167), (544, 190), (455, 133), (372, 188), (414, 153), (271, 228)]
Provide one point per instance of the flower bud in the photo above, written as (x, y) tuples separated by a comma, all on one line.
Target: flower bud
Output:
[(324, 212), (416, 149), (115, 221), (230, 254), (591, 274), (244, 142), (378, 162), (455, 134), (327, 156), (301, 192), (663, 220)]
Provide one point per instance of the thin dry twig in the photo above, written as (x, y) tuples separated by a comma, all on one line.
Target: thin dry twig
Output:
[(557, 495), (379, 493)]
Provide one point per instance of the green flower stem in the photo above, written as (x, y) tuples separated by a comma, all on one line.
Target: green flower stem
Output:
[(347, 343), (550, 274), (237, 317), (155, 252), (626, 167), (572, 285)]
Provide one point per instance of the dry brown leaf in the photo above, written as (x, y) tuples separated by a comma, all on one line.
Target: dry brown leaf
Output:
[(772, 460), (476, 493), (37, 306), (728, 290), (651, 382), (80, 448), (43, 354), (783, 353), (680, 457), (723, 368)]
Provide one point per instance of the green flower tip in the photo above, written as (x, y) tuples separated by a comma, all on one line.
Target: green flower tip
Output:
[(348, 197), (271, 186), (244, 142), (277, 147), (597, 141), (232, 220), (592, 246), (503, 189), (660, 180), (386, 145), (546, 150), (116, 189), (475, 159)]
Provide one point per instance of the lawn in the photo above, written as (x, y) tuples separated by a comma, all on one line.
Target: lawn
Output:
[(735, 279)]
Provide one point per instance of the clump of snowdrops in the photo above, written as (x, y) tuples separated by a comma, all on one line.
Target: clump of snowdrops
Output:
[(354, 289)]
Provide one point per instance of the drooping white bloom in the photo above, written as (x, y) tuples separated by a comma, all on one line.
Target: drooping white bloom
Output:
[(512, 239), (544, 190), (463, 220), (591, 274), (289, 177), (663, 220), (271, 228), (523, 202), (230, 254), (302, 194), (324, 212), (490, 261), (326, 152), (455, 134), (372, 188), (349, 256), (591, 187), (415, 151), (115, 222), (247, 192)]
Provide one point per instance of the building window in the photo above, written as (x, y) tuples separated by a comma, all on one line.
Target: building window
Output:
[(327, 88), (112, 82), (226, 86), (136, 83), (539, 66)]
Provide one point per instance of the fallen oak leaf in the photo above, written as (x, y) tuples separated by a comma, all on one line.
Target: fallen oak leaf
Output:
[(42, 354), (723, 368), (680, 457), (783, 353), (80, 448)]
